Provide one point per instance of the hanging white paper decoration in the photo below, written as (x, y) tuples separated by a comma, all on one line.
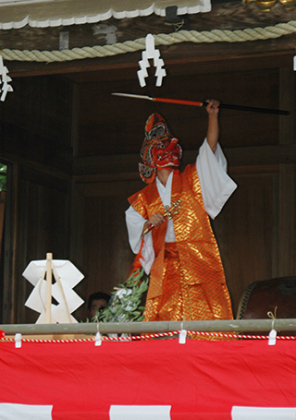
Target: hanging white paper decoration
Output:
[(151, 53), (5, 79)]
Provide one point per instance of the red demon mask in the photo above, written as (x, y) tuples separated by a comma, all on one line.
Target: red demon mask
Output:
[(159, 149)]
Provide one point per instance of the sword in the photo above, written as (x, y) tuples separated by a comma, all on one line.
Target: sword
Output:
[(204, 103), (169, 212)]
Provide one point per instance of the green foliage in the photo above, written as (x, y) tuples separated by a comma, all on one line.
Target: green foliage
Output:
[(126, 301), (3, 173)]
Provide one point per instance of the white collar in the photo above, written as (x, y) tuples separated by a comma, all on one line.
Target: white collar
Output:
[(165, 190)]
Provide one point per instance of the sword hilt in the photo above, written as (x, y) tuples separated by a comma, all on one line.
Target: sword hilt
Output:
[(169, 212), (150, 227)]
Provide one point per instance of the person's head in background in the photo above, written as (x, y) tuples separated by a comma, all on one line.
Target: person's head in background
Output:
[(97, 301)]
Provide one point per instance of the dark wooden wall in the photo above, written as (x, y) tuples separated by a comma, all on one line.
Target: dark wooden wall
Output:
[(77, 212), (35, 126)]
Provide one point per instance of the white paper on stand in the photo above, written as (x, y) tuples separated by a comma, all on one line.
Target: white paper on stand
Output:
[(65, 276)]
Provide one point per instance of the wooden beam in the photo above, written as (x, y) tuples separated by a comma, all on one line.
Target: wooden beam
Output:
[(241, 325), (101, 168)]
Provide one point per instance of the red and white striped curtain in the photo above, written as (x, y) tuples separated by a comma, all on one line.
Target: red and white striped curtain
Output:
[(148, 380)]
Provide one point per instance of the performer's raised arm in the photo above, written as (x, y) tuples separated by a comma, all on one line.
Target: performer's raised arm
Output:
[(213, 124), (211, 165)]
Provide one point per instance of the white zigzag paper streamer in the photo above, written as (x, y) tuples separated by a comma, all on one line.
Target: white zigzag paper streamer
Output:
[(151, 53)]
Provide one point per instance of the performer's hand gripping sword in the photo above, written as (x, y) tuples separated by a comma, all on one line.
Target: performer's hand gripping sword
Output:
[(169, 212)]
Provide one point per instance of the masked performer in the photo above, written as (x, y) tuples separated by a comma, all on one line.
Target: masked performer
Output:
[(181, 255)]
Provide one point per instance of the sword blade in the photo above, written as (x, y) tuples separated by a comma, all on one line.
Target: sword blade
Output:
[(130, 95)]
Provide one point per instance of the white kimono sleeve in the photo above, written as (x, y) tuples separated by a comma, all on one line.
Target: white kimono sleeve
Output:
[(216, 184), (135, 223)]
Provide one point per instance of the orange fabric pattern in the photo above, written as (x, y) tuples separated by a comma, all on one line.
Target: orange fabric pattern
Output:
[(187, 279)]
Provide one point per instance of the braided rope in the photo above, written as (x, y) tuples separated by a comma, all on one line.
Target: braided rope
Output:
[(216, 35), (148, 336)]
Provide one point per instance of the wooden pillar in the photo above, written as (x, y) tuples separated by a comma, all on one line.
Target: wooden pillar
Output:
[(287, 178)]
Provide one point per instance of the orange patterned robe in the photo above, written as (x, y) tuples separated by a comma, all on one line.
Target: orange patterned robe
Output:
[(187, 279)]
